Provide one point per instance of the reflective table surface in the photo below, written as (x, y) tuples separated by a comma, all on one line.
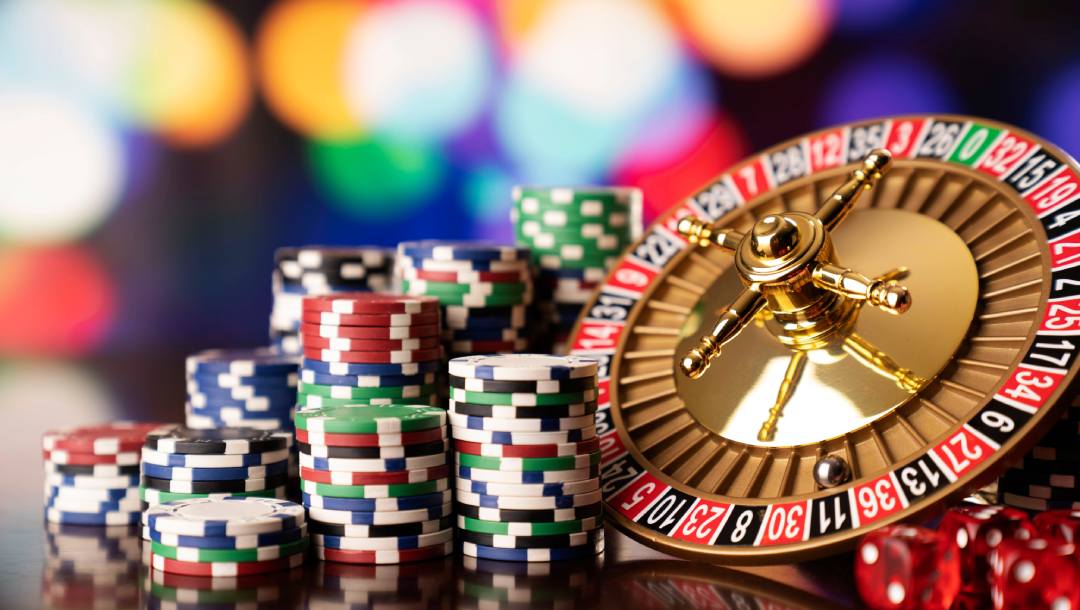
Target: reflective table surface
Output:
[(47, 566)]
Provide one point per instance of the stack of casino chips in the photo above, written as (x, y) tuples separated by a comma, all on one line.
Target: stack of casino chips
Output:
[(575, 235), (369, 348), (184, 464), (528, 459), (375, 482), (484, 289), (92, 474), (227, 536), (319, 270), (241, 388), (90, 567), (1047, 477)]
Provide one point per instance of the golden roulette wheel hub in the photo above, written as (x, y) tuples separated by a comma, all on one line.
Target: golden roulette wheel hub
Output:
[(844, 331)]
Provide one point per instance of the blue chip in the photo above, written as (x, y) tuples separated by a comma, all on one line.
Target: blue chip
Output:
[(103, 518), (248, 383), (531, 477), (350, 368), (366, 381), (486, 488), (554, 554), (441, 250), (356, 517), (228, 542), (216, 474), (243, 363), (244, 395)]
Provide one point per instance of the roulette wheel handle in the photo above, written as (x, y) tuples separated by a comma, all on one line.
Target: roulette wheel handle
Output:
[(788, 269)]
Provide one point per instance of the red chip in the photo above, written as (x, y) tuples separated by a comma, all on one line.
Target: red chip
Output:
[(340, 439), (106, 439), (67, 458), (368, 345), (370, 332), (378, 320), (237, 568), (384, 357), (529, 451), (418, 475), (352, 303), (389, 556)]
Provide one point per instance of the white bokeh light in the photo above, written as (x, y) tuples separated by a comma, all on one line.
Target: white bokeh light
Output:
[(602, 57), (39, 396), (418, 69), (61, 168)]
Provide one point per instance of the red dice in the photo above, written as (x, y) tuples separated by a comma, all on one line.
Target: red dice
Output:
[(907, 567), (1034, 574), (976, 530), (1060, 525)]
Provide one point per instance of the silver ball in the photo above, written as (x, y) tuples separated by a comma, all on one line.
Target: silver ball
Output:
[(831, 471)]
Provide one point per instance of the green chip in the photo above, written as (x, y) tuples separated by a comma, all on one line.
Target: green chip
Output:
[(352, 392), (455, 288), (466, 298), (398, 490), (311, 401), (590, 201), (370, 419), (576, 251), (522, 399), (566, 462), (157, 496), (553, 528), (201, 555)]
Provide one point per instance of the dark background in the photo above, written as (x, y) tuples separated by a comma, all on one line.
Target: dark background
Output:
[(153, 154)]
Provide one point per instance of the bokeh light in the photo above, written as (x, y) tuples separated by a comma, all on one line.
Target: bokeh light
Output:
[(61, 168), (417, 69), (883, 85), (1056, 109), (863, 16), (191, 82), (41, 395), (721, 145), (758, 38), (376, 178), (300, 54), (582, 80), (54, 301)]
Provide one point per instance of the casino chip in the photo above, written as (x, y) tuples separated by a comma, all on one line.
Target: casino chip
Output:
[(318, 271), (368, 348), (484, 290), (528, 487), (91, 473), (241, 388), (185, 464), (575, 235), (375, 481)]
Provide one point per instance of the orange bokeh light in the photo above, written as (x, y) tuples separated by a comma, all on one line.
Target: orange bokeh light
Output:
[(300, 52), (755, 39), (192, 83), (53, 301)]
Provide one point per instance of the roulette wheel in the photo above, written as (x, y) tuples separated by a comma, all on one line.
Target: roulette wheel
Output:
[(849, 329)]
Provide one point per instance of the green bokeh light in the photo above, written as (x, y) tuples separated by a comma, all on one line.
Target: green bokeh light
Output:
[(376, 178)]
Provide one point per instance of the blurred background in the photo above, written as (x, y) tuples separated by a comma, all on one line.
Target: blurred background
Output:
[(153, 154)]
